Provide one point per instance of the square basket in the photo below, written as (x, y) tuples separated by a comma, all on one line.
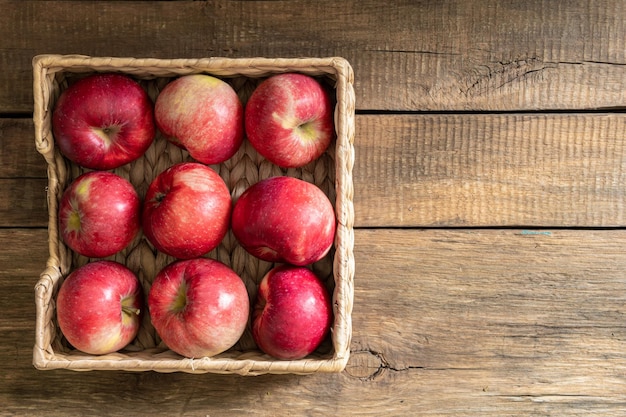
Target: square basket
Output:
[(332, 172)]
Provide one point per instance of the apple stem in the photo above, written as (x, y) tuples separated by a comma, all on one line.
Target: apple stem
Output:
[(131, 310), (159, 197)]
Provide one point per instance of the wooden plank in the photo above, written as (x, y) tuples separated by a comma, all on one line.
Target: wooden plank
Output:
[(22, 176), (436, 170), (446, 323), (18, 155), (24, 202), (408, 55), (22, 258), (490, 170)]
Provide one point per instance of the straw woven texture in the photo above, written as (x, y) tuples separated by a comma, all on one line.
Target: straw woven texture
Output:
[(332, 172)]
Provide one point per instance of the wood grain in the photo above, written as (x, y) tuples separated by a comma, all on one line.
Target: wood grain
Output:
[(22, 176), (552, 170), (407, 55), (18, 156), (446, 323), (23, 202), (490, 170)]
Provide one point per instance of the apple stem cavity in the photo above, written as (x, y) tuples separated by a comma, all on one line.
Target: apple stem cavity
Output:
[(129, 310), (73, 222), (180, 301), (307, 131), (159, 197), (108, 133), (127, 307)]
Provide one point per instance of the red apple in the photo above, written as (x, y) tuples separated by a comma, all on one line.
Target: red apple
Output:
[(103, 121), (99, 307), (203, 115), (186, 210), (289, 119), (99, 214), (199, 307), (284, 219), (292, 314)]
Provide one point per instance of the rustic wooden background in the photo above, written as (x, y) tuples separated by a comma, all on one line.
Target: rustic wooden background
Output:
[(489, 198)]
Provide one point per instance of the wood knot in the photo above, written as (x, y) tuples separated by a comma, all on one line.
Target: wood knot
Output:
[(365, 365)]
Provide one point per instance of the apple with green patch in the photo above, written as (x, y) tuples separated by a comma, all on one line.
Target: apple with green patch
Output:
[(103, 121), (199, 307), (99, 214), (99, 307), (289, 119), (202, 114)]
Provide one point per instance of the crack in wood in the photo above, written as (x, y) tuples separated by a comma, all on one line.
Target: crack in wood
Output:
[(498, 74), (591, 62), (368, 365), (413, 51)]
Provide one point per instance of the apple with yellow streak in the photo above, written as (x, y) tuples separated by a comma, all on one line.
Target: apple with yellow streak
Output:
[(99, 307), (99, 214), (199, 307), (203, 115), (289, 119), (103, 121)]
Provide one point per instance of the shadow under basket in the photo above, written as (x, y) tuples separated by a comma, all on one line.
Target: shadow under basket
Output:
[(332, 173)]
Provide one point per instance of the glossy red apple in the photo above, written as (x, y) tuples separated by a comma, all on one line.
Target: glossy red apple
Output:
[(292, 313), (284, 219), (187, 210), (289, 119), (103, 121), (199, 307), (203, 115), (99, 214), (99, 307)]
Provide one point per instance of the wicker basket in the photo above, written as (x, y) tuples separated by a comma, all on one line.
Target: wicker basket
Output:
[(332, 173)]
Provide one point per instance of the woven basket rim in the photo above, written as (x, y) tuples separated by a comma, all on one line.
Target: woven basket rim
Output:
[(221, 65), (45, 67)]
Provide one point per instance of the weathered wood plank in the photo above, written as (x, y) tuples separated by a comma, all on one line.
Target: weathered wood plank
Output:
[(435, 170), (22, 258), (18, 155), (446, 323), (490, 170), (407, 55), (23, 202)]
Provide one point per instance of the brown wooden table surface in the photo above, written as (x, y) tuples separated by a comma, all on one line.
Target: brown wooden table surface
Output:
[(489, 196)]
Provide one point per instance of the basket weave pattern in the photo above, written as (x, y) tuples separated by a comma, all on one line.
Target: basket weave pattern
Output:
[(332, 173)]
